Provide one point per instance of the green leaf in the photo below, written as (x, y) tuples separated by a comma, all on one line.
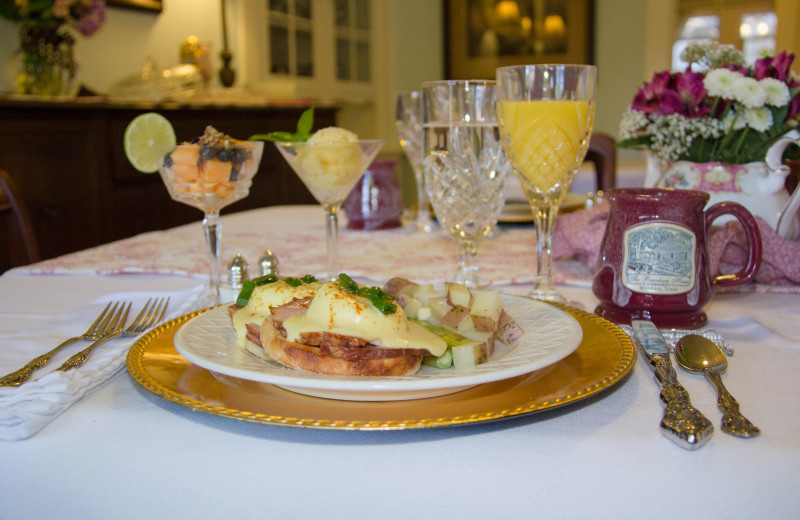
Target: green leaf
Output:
[(281, 137), (304, 126), (9, 11), (780, 113), (634, 142)]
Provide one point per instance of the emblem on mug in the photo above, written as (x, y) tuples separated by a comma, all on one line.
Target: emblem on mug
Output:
[(659, 258)]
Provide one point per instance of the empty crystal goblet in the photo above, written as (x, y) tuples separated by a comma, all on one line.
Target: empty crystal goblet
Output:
[(408, 120), (465, 166)]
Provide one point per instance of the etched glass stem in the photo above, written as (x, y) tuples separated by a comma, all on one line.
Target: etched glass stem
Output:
[(212, 227), (424, 222), (544, 216), (332, 239), (467, 266)]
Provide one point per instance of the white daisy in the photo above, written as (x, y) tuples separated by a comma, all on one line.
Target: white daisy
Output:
[(749, 92), (777, 92), (733, 120), (759, 119), (719, 82)]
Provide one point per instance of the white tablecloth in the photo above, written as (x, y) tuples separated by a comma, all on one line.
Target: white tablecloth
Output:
[(122, 452)]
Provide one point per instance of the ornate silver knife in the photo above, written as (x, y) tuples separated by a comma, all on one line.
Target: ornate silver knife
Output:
[(682, 423)]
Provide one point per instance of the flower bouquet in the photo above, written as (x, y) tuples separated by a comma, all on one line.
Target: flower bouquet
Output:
[(718, 110), (45, 61)]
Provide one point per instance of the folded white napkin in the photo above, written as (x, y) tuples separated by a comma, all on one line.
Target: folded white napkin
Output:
[(26, 409)]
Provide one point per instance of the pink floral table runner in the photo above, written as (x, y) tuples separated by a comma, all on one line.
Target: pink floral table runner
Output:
[(297, 236)]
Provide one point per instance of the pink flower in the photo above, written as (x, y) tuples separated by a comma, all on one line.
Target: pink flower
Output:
[(61, 8), (773, 67), (91, 17), (692, 92), (778, 67), (647, 100), (681, 93)]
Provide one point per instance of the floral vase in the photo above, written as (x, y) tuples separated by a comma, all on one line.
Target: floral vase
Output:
[(753, 185), (45, 64)]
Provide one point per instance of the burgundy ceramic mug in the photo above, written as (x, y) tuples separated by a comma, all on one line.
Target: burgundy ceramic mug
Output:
[(654, 261)]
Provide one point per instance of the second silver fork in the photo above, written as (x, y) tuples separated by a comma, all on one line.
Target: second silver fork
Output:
[(152, 313), (114, 313)]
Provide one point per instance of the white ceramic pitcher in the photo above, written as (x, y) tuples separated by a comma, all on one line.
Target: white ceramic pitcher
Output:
[(788, 225), (758, 186)]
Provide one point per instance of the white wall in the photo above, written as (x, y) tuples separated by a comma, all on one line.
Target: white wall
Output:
[(129, 36), (414, 41), (619, 55)]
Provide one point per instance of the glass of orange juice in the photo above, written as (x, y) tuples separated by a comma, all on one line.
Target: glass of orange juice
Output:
[(545, 114)]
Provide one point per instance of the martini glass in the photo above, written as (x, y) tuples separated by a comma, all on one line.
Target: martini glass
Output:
[(330, 171), (546, 114), (465, 167), (209, 178), (408, 120)]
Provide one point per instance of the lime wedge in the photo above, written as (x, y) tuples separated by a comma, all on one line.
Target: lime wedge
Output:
[(147, 139)]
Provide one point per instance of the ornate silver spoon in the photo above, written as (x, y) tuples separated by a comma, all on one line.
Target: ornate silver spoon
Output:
[(698, 354)]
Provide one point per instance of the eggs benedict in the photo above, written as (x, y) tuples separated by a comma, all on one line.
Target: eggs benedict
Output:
[(333, 328)]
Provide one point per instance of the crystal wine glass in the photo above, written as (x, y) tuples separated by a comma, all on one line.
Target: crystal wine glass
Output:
[(330, 171), (408, 120), (210, 177), (465, 167), (546, 114)]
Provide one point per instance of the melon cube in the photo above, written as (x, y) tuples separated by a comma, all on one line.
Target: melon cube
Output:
[(215, 170)]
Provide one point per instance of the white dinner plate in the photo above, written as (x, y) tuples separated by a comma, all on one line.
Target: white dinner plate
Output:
[(551, 334)]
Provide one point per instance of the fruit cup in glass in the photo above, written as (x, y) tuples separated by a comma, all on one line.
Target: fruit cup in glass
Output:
[(210, 176)]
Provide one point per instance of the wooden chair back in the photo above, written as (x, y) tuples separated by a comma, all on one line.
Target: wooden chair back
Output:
[(603, 153), (21, 247)]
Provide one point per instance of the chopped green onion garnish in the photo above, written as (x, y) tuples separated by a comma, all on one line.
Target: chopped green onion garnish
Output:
[(379, 298), (244, 294), (249, 285)]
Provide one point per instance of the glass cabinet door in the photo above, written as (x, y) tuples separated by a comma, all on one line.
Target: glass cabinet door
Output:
[(352, 34), (290, 25)]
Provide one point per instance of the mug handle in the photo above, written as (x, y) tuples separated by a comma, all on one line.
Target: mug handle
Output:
[(753, 238)]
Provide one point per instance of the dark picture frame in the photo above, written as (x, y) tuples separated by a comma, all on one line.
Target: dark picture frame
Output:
[(482, 35), (142, 5)]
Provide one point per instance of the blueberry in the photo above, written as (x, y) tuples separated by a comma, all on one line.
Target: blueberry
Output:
[(239, 155), (225, 155), (168, 160), (206, 153), (234, 174)]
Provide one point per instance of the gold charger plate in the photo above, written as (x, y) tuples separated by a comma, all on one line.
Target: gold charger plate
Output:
[(605, 356)]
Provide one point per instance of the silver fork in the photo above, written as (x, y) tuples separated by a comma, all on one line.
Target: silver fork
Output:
[(105, 323), (151, 313)]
